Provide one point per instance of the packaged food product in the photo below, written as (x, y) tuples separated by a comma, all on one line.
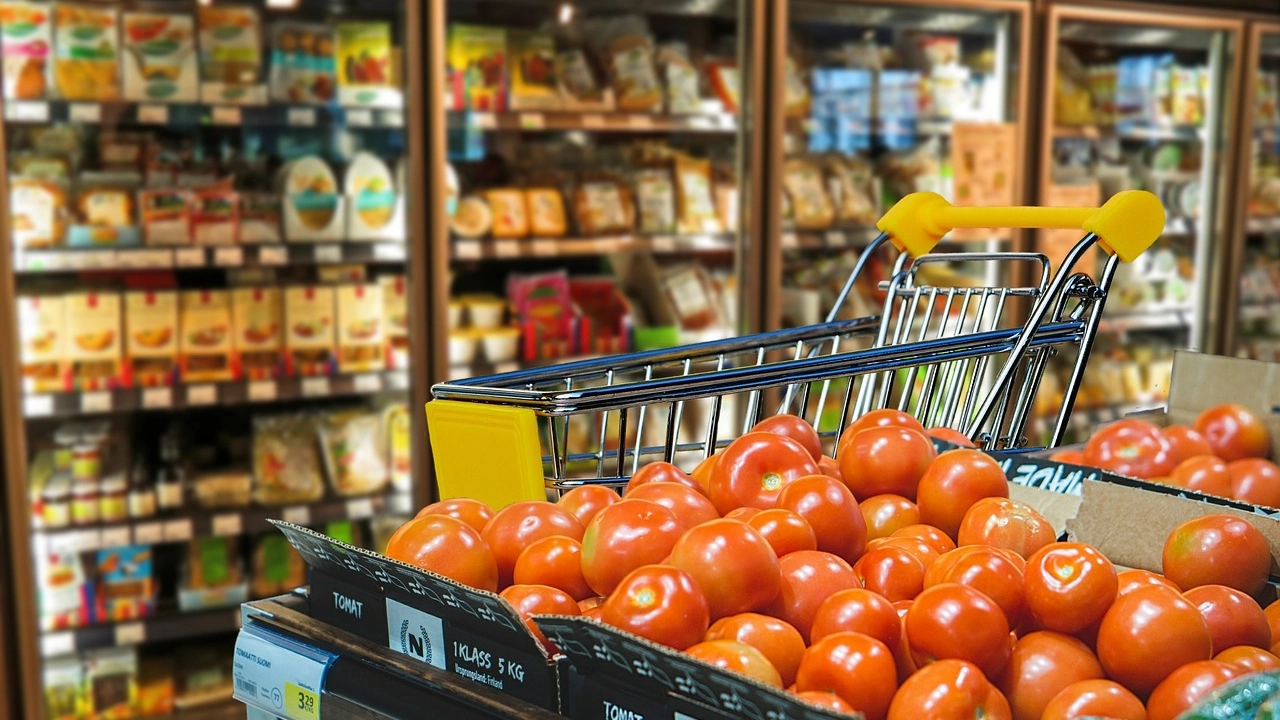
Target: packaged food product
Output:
[(656, 201), (64, 695), (361, 328), (811, 206), (126, 586), (277, 568), (576, 78), (255, 315), (395, 311), (286, 461), (206, 336), (26, 36), (853, 184), (160, 61), (681, 79), (726, 82), (626, 46), (600, 207), (151, 351), (166, 216), (302, 62), (354, 445), (215, 216), (222, 489), (796, 98), (93, 339), (105, 206), (230, 54), (213, 562), (363, 58), (545, 310), (473, 218), (312, 192), (546, 212), (697, 211), (63, 590), (477, 60), (86, 43), (691, 296), (155, 687), (533, 70), (41, 323), (395, 417), (39, 166), (39, 209), (372, 192), (310, 336), (111, 677), (259, 218), (510, 215)]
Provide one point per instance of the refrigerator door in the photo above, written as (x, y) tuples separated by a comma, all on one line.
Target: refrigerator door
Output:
[(1142, 101), (880, 100)]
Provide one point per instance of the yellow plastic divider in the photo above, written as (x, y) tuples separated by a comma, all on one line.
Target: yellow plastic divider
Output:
[(487, 452), (1126, 225)]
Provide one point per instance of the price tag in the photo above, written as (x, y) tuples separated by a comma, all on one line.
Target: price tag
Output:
[(178, 530), (297, 514), (593, 122), (301, 117), (146, 258), (189, 257), (401, 504), (148, 533), (484, 120), (467, 250), (153, 114), (58, 643), (328, 253), (117, 536), (84, 113), (368, 383), (360, 508), (226, 115), (133, 633), (835, 238), (285, 678), (544, 248), (393, 118), (389, 251), (75, 542), (228, 257), (29, 112), (532, 121), (506, 248), (202, 394), (103, 259), (790, 240), (664, 244), (269, 255), (37, 405), (228, 524), (157, 397), (359, 117), (640, 121), (315, 387), (262, 390), (95, 402)]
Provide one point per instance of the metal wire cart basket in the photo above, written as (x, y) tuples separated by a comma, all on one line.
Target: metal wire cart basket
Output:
[(953, 356)]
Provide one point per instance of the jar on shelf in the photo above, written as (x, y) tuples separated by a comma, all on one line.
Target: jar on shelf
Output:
[(55, 502), (142, 492), (113, 500), (86, 462), (85, 504)]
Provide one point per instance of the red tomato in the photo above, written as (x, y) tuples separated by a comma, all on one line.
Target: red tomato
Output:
[(953, 483), (517, 525), (1234, 432), (775, 639), (885, 460), (936, 538), (831, 511), (1272, 612), (1249, 659), (472, 512), (885, 514), (624, 536), (1233, 617), (556, 562), (584, 502), (1130, 447), (878, 418), (737, 657), (688, 504), (658, 472), (830, 467), (1255, 481), (1069, 586), (857, 610), (948, 690), (914, 545), (955, 437), (825, 700), (743, 513), (796, 428), (702, 474), (1127, 580), (854, 666), (1217, 550), (892, 572), (902, 651), (732, 563), (986, 570), (1001, 522), (530, 600), (1147, 634), (1041, 666), (753, 469), (808, 578), (1069, 457), (1185, 442), (446, 546), (955, 621), (1203, 474), (661, 604), (1187, 686), (1095, 698), (785, 531), (590, 603)]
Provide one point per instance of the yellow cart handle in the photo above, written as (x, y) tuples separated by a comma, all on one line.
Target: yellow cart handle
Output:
[(1126, 225)]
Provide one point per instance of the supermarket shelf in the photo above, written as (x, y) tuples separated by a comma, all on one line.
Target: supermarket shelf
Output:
[(165, 627), (1175, 319), (464, 250), (914, 126), (200, 114), (220, 523), (1130, 131), (1262, 225), (1260, 309), (230, 256), (558, 120), (217, 711), (211, 394), (828, 239)]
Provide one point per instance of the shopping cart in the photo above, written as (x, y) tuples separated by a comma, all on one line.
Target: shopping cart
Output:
[(951, 354)]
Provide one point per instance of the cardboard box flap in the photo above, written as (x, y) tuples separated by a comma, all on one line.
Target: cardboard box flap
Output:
[(483, 612), (1201, 381), (594, 647)]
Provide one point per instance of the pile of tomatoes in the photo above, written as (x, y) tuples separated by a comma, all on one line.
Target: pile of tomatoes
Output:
[(890, 580), (1225, 454)]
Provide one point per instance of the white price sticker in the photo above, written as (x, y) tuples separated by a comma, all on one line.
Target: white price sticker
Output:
[(640, 121), (368, 383), (157, 397), (228, 257), (84, 113), (189, 257), (835, 238), (467, 249), (790, 240), (315, 386), (328, 253), (153, 114), (228, 524), (389, 251), (96, 402), (178, 530), (146, 258), (543, 247), (75, 541), (277, 678), (592, 122), (401, 504), (57, 643), (360, 508), (506, 248), (268, 255), (393, 118), (225, 115), (532, 121), (297, 514), (37, 405), (483, 120), (262, 390), (117, 536), (202, 394), (133, 633), (29, 112), (357, 117), (302, 116), (148, 533)]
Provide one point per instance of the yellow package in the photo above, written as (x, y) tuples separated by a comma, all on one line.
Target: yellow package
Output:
[(546, 212), (363, 54), (257, 340), (86, 44), (395, 311), (810, 203), (93, 322), (696, 208), (360, 328), (510, 215), (39, 209), (41, 328), (309, 335), (151, 348), (206, 336)]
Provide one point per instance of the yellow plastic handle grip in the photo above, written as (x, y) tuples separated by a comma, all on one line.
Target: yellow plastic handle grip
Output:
[(1126, 225)]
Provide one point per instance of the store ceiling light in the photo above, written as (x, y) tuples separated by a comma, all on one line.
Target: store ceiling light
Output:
[(565, 15), (282, 4)]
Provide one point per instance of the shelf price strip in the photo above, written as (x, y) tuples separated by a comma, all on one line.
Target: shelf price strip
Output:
[(279, 675)]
